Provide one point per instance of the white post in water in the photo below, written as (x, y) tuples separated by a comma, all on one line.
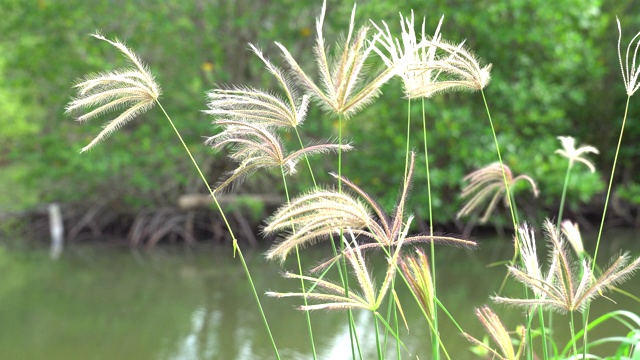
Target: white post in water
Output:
[(57, 230)]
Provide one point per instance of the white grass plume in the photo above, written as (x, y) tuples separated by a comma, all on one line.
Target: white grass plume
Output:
[(346, 87), (321, 213), (629, 74), (411, 56), (367, 297), (256, 147), (488, 182), (572, 154), (569, 284), (458, 69), (499, 334), (132, 89), (257, 106)]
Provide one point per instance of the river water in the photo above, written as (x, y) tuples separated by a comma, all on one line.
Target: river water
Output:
[(176, 303)]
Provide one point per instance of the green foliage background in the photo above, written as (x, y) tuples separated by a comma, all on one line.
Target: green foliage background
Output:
[(555, 72)]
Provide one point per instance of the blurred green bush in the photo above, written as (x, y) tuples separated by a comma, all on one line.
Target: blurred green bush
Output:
[(555, 72)]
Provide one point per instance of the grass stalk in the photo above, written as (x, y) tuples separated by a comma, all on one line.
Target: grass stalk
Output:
[(573, 335), (507, 190), (604, 214), (424, 313), (406, 155), (504, 175), (436, 344), (342, 266), (236, 248), (613, 171), (353, 335), (304, 290), (377, 331), (564, 195)]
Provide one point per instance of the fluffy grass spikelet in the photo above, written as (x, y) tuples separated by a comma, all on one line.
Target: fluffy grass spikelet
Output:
[(629, 74), (321, 213), (572, 234), (489, 182), (570, 152), (132, 89), (346, 85), (499, 334), (570, 284), (257, 106), (409, 56), (459, 67), (256, 147), (417, 271), (367, 297)]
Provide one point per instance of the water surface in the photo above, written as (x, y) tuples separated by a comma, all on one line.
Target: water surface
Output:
[(174, 303)]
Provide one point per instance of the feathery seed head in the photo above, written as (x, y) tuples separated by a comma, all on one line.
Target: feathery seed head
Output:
[(489, 182), (570, 152), (569, 284), (410, 57), (499, 334), (417, 271), (344, 90), (457, 67), (629, 74), (572, 234), (257, 106), (132, 89), (367, 297), (319, 213), (255, 147), (528, 253)]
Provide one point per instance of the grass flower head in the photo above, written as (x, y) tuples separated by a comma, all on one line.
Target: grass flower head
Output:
[(499, 334), (132, 89), (321, 213), (368, 296), (569, 284), (410, 56), (629, 74), (256, 106), (489, 182), (570, 152), (417, 271), (572, 234), (255, 147), (345, 88), (457, 67)]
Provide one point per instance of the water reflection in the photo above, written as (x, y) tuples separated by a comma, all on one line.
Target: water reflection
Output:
[(179, 306)]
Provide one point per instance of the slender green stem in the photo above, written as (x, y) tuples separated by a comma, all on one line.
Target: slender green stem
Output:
[(353, 335), (423, 310), (313, 178), (504, 174), (342, 275), (571, 328), (390, 312), (236, 248), (564, 194), (304, 290), (378, 347), (585, 331), (529, 335), (436, 346), (508, 191), (395, 319), (613, 171), (604, 211), (406, 154), (543, 335)]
